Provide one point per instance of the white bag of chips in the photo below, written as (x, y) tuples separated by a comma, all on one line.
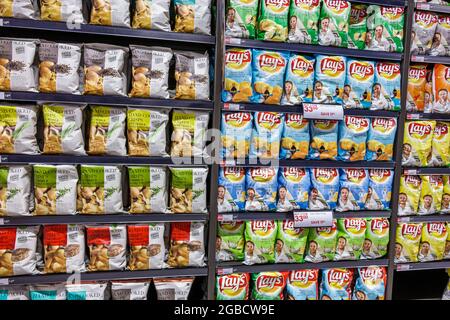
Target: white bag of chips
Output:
[(23, 9), (187, 245), (152, 14), (130, 290), (14, 293), (147, 248), (193, 16), (48, 292), (15, 190), (111, 13), (173, 288), (87, 291)]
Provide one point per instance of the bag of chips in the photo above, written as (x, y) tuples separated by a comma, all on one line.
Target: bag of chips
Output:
[(48, 292), (431, 195), (441, 39), (385, 28), (130, 289), (260, 237), (407, 241), (380, 140), (417, 79), (377, 238), (321, 243), (433, 241), (325, 188), (410, 189), (441, 88), (447, 244), (445, 204), (352, 138), (336, 284), (273, 20), (303, 21), (380, 189), (351, 235), (240, 21), (290, 243), (303, 285), (192, 16), (417, 143), (15, 190), (357, 28), (358, 84), (370, 284), (386, 89), (187, 245), (151, 14), (266, 135), (192, 75), (424, 27), (238, 75), (188, 189), (173, 288), (429, 97), (333, 29), (23, 9), (14, 292), (111, 13), (329, 79), (147, 248), (235, 286), (295, 138), (230, 241), (354, 186), (324, 135), (299, 80), (293, 188), (231, 189), (87, 291), (262, 189), (269, 285), (70, 11), (440, 145), (236, 133)]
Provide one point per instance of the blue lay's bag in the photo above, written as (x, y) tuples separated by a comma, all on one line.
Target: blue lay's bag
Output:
[(262, 188), (358, 84), (266, 135), (380, 189), (386, 89), (295, 140), (236, 132), (336, 284), (268, 75), (380, 141), (324, 135), (370, 284), (352, 138), (231, 191), (354, 185), (299, 80), (329, 79), (238, 75), (325, 188), (303, 285), (293, 188)]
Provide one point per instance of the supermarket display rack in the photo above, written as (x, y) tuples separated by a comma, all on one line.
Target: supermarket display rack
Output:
[(310, 163)]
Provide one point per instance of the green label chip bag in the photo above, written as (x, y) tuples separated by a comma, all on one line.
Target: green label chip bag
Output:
[(230, 241), (357, 28), (351, 235), (260, 236), (432, 244), (322, 243), (188, 190), (240, 19), (377, 238), (15, 190), (303, 20), (291, 242), (273, 20), (385, 28), (333, 28), (407, 241)]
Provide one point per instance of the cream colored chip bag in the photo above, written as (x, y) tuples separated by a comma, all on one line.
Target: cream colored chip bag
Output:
[(445, 203), (188, 190), (192, 75), (15, 190), (440, 156), (187, 245), (70, 11), (23, 9), (193, 16), (173, 288), (87, 291), (111, 13), (152, 14), (147, 248), (130, 290)]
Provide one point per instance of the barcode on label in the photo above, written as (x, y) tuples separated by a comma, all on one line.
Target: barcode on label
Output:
[(110, 177), (66, 54), (114, 118), (14, 177), (23, 117), (70, 118), (20, 50), (156, 177), (198, 180), (63, 178)]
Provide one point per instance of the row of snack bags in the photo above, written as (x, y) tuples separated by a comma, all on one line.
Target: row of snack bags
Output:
[(430, 34), (274, 77), (275, 135), (193, 16), (269, 241), (45, 189), (325, 22), (166, 289), (335, 284), (426, 143), (422, 242), (108, 130), (292, 188), (101, 69), (78, 248)]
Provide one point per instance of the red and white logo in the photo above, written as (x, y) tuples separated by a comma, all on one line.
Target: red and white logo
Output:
[(277, 3), (357, 122), (333, 65), (417, 73), (419, 129), (425, 17), (356, 224), (271, 62), (337, 4), (325, 173), (388, 68), (269, 117), (232, 282), (355, 173), (238, 117), (362, 70), (262, 172), (413, 230), (304, 276), (270, 282), (392, 10), (234, 171), (379, 224), (386, 123), (238, 57), (436, 227), (294, 172), (263, 225), (338, 276)]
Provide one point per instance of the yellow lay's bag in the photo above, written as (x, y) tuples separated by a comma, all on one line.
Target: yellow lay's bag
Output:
[(440, 145), (408, 237), (432, 245), (431, 195), (447, 246), (408, 201), (417, 143), (445, 203)]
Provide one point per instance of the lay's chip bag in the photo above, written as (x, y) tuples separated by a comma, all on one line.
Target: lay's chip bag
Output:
[(445, 204), (351, 235), (231, 190), (324, 135), (386, 89), (235, 286), (417, 143), (295, 139), (431, 195), (238, 75), (380, 189), (370, 284), (241, 18), (325, 188), (408, 200), (447, 245), (428, 102), (440, 145), (357, 28), (336, 284), (333, 28), (230, 241), (269, 285), (407, 241), (293, 188), (303, 21), (321, 243), (291, 242), (424, 27), (260, 236), (441, 88), (417, 79), (358, 84), (303, 285), (352, 138), (329, 79), (236, 133), (262, 189), (432, 243), (377, 238), (299, 80), (268, 75), (441, 39), (266, 135), (380, 140), (273, 20), (354, 185)]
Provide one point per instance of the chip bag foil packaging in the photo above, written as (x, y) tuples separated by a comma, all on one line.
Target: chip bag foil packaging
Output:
[(324, 135), (358, 84), (192, 16), (231, 190), (336, 284), (236, 134), (173, 288), (431, 195), (441, 39), (441, 89), (260, 237), (352, 138), (15, 190), (380, 189), (433, 242), (357, 28), (410, 189), (240, 21), (407, 242), (417, 143), (440, 145), (130, 289), (325, 188), (147, 249), (70, 11), (291, 242), (351, 235), (377, 238), (266, 135), (262, 187), (192, 75), (295, 138), (42, 292), (386, 89), (385, 28), (303, 285), (87, 291), (333, 28), (354, 184), (273, 20), (188, 189), (417, 79), (152, 14), (321, 243), (293, 187), (23, 9), (445, 204), (187, 245), (370, 284), (111, 13), (380, 140), (14, 293), (428, 102), (303, 21), (424, 27), (447, 244), (230, 241), (235, 286), (269, 285), (299, 80), (238, 75), (329, 79)]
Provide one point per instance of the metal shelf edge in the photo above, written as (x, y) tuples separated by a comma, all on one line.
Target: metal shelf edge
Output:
[(428, 218), (422, 266), (433, 7), (428, 116), (424, 171), (309, 163), (248, 216)]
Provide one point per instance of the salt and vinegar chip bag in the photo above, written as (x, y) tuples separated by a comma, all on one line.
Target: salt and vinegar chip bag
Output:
[(336, 284), (445, 204), (295, 139), (230, 241), (440, 145), (380, 189), (424, 27), (192, 75), (269, 285), (407, 241), (321, 243), (324, 135), (432, 243), (15, 190), (352, 138), (417, 143), (266, 135), (441, 88), (377, 238), (417, 79), (273, 20), (357, 28), (329, 79), (431, 194), (358, 84), (441, 39), (380, 140), (408, 200), (303, 285), (386, 89), (260, 236), (238, 75), (447, 245), (262, 188), (385, 28), (291, 242), (70, 11), (293, 187), (231, 189), (354, 185), (240, 21), (299, 80), (351, 235), (236, 133), (303, 20), (333, 28), (370, 284), (235, 286), (325, 187)]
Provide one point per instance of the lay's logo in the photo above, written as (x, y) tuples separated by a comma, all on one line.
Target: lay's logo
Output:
[(413, 230), (302, 66), (356, 122), (425, 18), (379, 226), (444, 20), (293, 172), (417, 73), (295, 118), (238, 59), (392, 12), (332, 66), (339, 277), (388, 70), (264, 173), (337, 5), (441, 129), (355, 174), (303, 276), (288, 227), (436, 181), (357, 14), (270, 282), (327, 230), (436, 228), (271, 118), (355, 224), (327, 174), (379, 173), (419, 129), (447, 73), (271, 62), (238, 118), (234, 171), (413, 180), (263, 226), (233, 282), (277, 3), (361, 70), (374, 273), (385, 123), (307, 3)]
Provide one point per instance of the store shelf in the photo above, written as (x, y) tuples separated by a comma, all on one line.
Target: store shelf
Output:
[(106, 100), (433, 7), (428, 218), (423, 265), (425, 171), (396, 3), (428, 116), (107, 31), (307, 163), (430, 59)]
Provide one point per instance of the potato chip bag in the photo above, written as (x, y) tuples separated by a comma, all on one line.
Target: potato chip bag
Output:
[(417, 143), (432, 243), (240, 19), (230, 241), (358, 84), (321, 243), (377, 238), (370, 284), (295, 139), (303, 20), (324, 135), (445, 203), (441, 38), (385, 28), (291, 242), (410, 189), (352, 138), (235, 286), (380, 189), (407, 241), (329, 79), (336, 284), (354, 185), (424, 27), (386, 89), (357, 28), (236, 134), (238, 75), (441, 88), (268, 75), (231, 190), (261, 189), (192, 16), (447, 245), (293, 187), (303, 285), (260, 236), (299, 80), (429, 98), (440, 145), (266, 135), (380, 140), (333, 29), (325, 187), (417, 79), (431, 195), (351, 235), (269, 285), (273, 20)]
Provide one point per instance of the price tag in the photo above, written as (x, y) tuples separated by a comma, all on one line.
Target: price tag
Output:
[(3, 159), (403, 267), (423, 6), (224, 271), (228, 163), (1, 22), (2, 221), (2, 96), (231, 106), (308, 219), (232, 40), (225, 217), (417, 58), (4, 281), (323, 111), (404, 219), (413, 116), (410, 172)]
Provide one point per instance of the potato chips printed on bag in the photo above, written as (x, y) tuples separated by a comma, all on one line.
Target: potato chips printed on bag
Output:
[(417, 79), (385, 28), (386, 89), (230, 241), (333, 28), (336, 284), (269, 285), (266, 135), (262, 187), (130, 289), (324, 135), (407, 241), (111, 13), (192, 16), (231, 189), (445, 204), (42, 292), (151, 14), (380, 140), (354, 185), (303, 21), (377, 238), (62, 10), (273, 20), (14, 293), (441, 88), (329, 79), (417, 143), (15, 190), (240, 20), (380, 189), (410, 189), (192, 75), (325, 188), (24, 9), (260, 237), (350, 238), (188, 189), (358, 84), (235, 286), (357, 28), (321, 243), (424, 27), (87, 291), (352, 138), (441, 39), (187, 245), (440, 145), (173, 288), (147, 248), (295, 139), (303, 285), (433, 241), (238, 75), (236, 129), (299, 80), (293, 188), (370, 284), (431, 195), (290, 243)]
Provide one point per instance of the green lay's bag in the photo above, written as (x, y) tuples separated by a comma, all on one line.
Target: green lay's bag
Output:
[(230, 241), (303, 21), (269, 285), (322, 243), (241, 18), (333, 28), (260, 238), (351, 235), (357, 26), (291, 242), (377, 238), (273, 20)]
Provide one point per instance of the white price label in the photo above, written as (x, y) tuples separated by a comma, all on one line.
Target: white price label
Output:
[(1, 22), (403, 267), (232, 106), (232, 40), (404, 219), (225, 217), (2, 221), (2, 96), (4, 281), (228, 163), (417, 58), (423, 6), (224, 271), (308, 219), (413, 116), (410, 172), (323, 111)]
